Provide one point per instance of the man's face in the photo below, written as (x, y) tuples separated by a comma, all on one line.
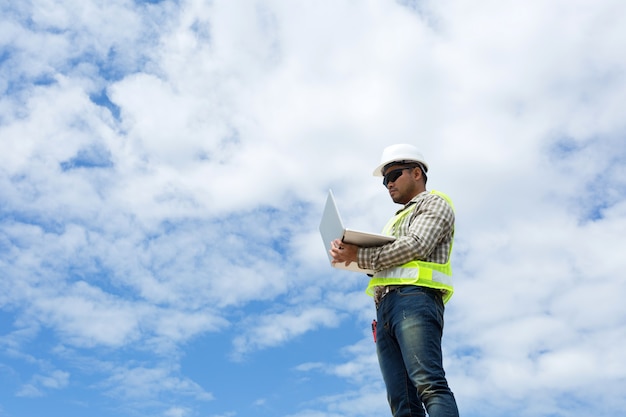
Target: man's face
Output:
[(402, 182)]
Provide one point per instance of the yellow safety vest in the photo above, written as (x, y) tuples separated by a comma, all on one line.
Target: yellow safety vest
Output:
[(426, 274)]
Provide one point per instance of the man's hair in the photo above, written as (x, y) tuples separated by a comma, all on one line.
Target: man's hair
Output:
[(421, 167)]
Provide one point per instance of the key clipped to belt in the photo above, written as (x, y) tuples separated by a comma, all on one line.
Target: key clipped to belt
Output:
[(374, 324)]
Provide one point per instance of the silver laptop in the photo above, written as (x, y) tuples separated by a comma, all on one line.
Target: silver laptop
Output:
[(331, 228)]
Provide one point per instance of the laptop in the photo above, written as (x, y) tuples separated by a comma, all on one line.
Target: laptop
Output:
[(331, 228)]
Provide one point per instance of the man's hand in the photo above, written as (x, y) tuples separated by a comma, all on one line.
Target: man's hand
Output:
[(343, 252)]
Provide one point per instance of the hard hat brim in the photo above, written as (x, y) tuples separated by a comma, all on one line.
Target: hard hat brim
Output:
[(378, 171)]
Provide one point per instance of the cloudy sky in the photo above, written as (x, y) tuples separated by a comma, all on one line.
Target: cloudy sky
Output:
[(164, 166)]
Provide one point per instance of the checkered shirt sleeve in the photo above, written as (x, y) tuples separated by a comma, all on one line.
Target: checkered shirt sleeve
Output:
[(425, 234)]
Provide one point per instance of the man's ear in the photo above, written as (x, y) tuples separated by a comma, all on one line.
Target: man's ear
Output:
[(418, 175)]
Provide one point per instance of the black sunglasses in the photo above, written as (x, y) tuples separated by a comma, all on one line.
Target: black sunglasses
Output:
[(393, 175)]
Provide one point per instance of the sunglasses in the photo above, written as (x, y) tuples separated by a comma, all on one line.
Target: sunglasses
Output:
[(393, 175)]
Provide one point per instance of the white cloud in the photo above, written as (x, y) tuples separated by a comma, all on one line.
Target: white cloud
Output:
[(275, 329), (177, 412), (39, 384), (369, 400), (191, 199), (140, 383)]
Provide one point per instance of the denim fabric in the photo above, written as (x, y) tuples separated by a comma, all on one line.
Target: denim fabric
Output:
[(409, 331)]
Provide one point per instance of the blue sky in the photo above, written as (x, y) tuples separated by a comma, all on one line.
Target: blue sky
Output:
[(164, 166)]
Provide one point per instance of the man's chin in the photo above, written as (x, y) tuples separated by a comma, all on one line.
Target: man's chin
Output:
[(396, 197)]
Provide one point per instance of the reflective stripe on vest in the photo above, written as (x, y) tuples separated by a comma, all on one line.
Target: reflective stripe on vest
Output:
[(427, 274)]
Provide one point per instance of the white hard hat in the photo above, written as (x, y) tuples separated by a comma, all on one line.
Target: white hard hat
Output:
[(401, 154)]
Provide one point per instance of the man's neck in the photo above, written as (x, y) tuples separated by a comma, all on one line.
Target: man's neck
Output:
[(413, 198)]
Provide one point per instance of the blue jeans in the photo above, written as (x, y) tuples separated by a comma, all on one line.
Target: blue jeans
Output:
[(408, 343)]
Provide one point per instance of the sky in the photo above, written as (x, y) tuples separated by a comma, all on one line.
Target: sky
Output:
[(165, 164)]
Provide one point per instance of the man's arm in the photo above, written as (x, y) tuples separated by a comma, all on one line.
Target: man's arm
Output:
[(417, 237)]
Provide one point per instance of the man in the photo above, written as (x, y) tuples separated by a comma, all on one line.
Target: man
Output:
[(411, 286)]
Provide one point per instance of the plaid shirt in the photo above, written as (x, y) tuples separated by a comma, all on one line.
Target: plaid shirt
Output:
[(425, 234)]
